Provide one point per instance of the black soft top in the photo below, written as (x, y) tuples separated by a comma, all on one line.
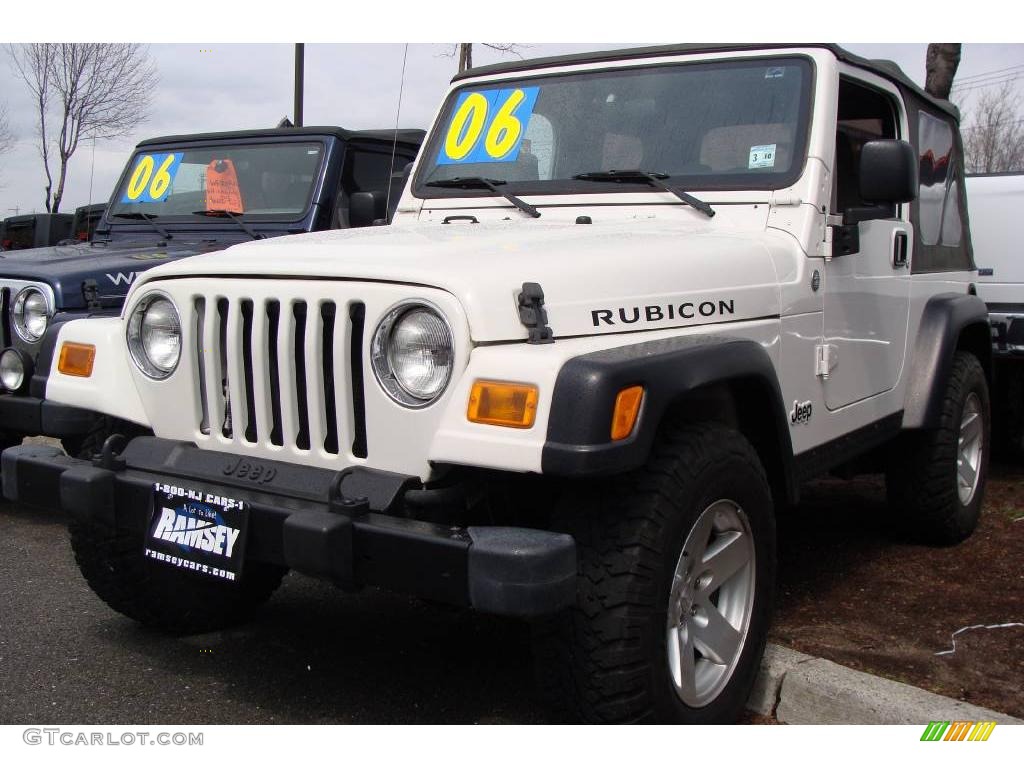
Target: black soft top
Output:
[(412, 136), (883, 67)]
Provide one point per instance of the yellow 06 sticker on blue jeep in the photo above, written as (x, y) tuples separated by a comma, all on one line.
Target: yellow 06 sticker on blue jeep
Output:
[(487, 126), (150, 179)]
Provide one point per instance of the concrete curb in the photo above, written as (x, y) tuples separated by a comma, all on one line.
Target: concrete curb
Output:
[(803, 690)]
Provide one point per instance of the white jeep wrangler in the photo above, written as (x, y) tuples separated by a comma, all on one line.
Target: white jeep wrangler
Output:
[(630, 301)]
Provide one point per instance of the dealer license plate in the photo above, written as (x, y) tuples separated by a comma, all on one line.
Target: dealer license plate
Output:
[(197, 530)]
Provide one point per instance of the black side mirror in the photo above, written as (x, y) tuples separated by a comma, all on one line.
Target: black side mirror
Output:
[(364, 209), (888, 172)]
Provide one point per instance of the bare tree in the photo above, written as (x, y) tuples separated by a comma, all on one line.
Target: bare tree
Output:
[(99, 90), (6, 135), (465, 52), (941, 63), (994, 134)]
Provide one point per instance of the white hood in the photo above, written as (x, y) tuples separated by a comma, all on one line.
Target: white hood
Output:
[(597, 278)]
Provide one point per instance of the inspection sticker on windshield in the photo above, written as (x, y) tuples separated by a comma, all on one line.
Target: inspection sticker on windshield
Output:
[(150, 180), (487, 126), (762, 156)]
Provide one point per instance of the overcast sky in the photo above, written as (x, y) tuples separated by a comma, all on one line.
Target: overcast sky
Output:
[(237, 86)]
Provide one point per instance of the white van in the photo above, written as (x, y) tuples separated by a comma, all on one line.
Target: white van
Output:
[(994, 199)]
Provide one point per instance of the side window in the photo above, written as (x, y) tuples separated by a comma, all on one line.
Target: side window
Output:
[(864, 115), (371, 171), (939, 200), (368, 171)]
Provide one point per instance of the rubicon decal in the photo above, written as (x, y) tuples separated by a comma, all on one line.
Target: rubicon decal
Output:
[(197, 530), (653, 313)]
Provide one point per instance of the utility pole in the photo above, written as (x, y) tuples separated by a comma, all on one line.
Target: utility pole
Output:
[(92, 167), (300, 56)]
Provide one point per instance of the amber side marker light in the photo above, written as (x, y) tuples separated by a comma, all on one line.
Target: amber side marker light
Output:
[(503, 404), (76, 359), (627, 408)]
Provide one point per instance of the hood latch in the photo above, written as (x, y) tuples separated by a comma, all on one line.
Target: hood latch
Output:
[(533, 315), (91, 295)]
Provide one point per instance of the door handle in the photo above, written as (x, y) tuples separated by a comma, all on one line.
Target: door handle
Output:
[(900, 245)]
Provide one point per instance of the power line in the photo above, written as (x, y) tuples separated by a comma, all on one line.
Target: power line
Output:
[(987, 83), (986, 75)]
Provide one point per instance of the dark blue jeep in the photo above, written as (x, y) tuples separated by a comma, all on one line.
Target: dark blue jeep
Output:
[(179, 196)]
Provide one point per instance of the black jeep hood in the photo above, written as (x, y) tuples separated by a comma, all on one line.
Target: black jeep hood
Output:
[(114, 266)]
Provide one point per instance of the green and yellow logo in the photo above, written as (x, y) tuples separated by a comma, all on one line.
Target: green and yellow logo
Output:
[(958, 730)]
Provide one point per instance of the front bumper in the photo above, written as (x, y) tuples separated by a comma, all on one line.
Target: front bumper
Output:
[(344, 526), (25, 415)]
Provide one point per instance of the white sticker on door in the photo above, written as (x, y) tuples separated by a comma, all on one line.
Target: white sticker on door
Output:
[(762, 156)]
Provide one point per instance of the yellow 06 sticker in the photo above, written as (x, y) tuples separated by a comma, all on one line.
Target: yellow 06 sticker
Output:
[(150, 179), (488, 126)]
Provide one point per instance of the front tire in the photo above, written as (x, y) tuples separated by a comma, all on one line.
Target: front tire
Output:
[(935, 479), (676, 571), (91, 443), (160, 596)]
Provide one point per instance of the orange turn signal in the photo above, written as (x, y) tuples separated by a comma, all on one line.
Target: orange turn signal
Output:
[(76, 359), (627, 408), (503, 404)]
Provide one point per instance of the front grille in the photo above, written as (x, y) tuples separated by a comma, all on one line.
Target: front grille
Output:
[(267, 372)]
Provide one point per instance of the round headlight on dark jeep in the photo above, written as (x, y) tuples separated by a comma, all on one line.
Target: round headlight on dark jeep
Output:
[(411, 354), (31, 314), (14, 368), (154, 336)]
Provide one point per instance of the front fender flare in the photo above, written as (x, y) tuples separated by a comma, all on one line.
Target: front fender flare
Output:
[(578, 437)]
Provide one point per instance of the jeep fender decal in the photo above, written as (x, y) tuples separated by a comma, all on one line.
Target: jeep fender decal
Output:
[(654, 311), (122, 277)]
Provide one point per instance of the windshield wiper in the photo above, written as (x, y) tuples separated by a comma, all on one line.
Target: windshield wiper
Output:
[(149, 219), (651, 177), (236, 217), (479, 182)]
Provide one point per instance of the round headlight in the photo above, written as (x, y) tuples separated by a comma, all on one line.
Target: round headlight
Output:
[(154, 336), (31, 315), (411, 354), (12, 370)]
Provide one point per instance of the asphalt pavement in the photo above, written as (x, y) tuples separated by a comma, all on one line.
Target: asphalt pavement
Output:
[(314, 654)]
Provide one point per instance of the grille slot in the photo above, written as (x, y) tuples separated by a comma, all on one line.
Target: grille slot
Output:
[(328, 311), (247, 355), (229, 400), (273, 323), (357, 317), (302, 435), (6, 332), (199, 307)]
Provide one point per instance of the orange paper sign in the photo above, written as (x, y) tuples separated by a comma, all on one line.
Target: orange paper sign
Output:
[(222, 192)]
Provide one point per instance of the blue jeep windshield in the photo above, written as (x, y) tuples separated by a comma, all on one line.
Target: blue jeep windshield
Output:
[(712, 125), (261, 181)]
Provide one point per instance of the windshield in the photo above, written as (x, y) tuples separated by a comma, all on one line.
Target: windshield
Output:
[(712, 125), (262, 181)]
